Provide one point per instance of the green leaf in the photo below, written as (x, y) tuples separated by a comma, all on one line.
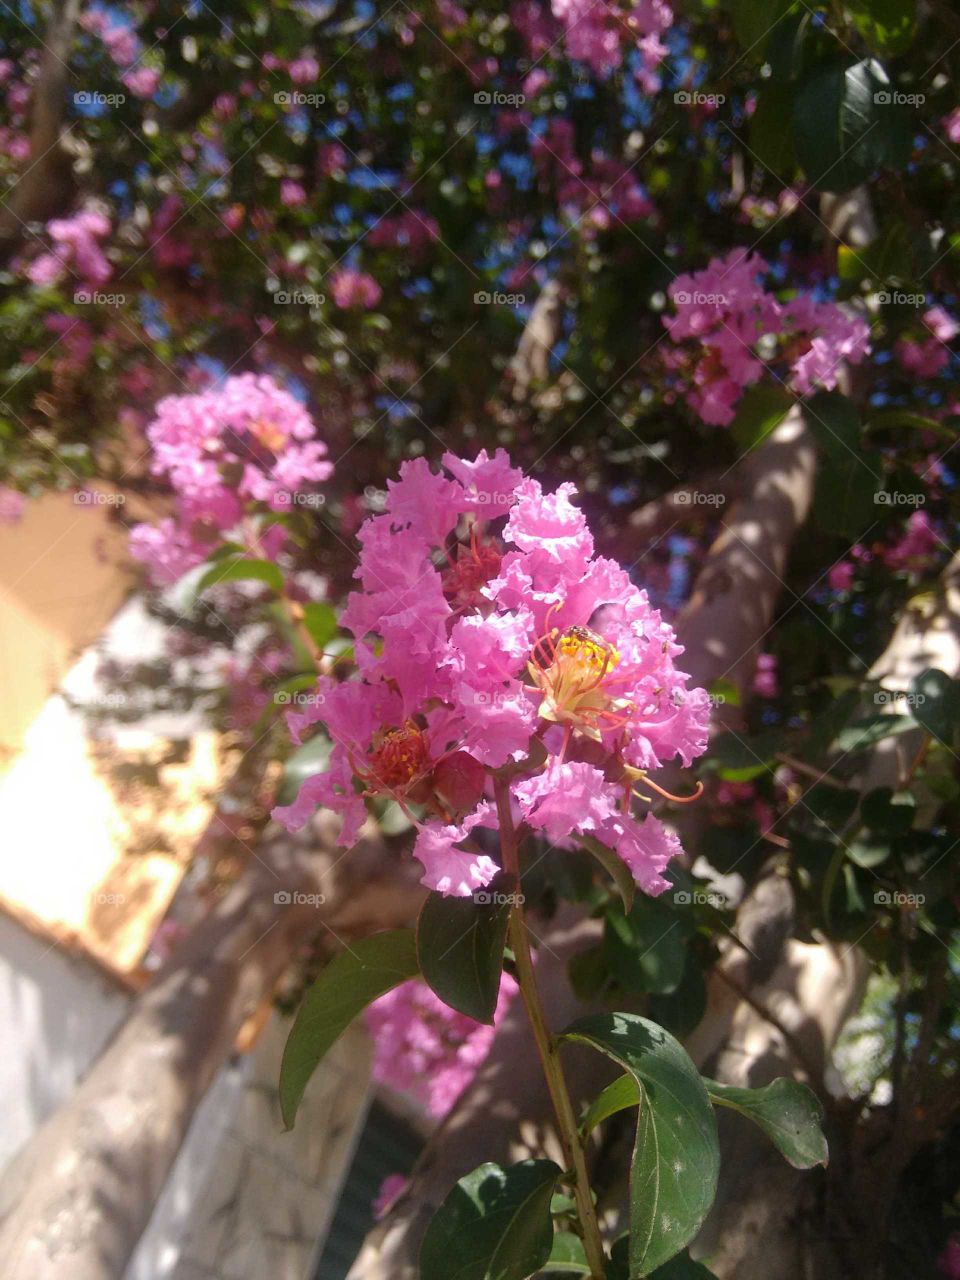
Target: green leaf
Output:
[(683, 1009), (760, 411), (682, 1267), (306, 761), (845, 501), (619, 1096), (884, 809), (847, 124), (788, 1113), (868, 851), (239, 568), (567, 1257), (891, 419), (615, 866), (351, 980), (676, 1159), (739, 759), (460, 945), (753, 21), (494, 1225), (725, 691), (888, 26), (835, 424), (320, 619), (771, 130), (871, 730), (935, 703), (646, 950)]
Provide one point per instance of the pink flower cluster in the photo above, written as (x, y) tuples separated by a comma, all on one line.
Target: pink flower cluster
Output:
[(423, 1047), (354, 289), (412, 231), (243, 445), (723, 312), (927, 358), (593, 197), (488, 634), (12, 505), (76, 248), (598, 33), (125, 48)]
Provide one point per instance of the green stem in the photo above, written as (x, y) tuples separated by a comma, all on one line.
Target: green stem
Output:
[(547, 1046)]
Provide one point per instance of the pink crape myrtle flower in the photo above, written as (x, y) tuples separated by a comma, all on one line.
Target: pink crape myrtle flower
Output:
[(76, 248), (488, 634), (599, 32), (242, 447), (12, 505), (391, 1189), (423, 1047), (722, 313), (354, 289)]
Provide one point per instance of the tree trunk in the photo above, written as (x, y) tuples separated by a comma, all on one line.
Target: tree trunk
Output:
[(75, 1201)]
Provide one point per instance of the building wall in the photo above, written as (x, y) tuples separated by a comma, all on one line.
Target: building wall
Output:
[(57, 1013)]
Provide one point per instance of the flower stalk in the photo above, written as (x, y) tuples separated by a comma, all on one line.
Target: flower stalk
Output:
[(547, 1048)]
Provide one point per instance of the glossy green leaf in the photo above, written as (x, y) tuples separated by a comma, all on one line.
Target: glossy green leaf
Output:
[(676, 1158), (845, 501), (848, 123), (239, 568), (887, 26), (615, 866), (567, 1257), (306, 761), (494, 1225), (935, 704), (760, 411), (682, 1267), (622, 1094), (868, 851), (835, 424), (871, 730), (646, 949), (460, 945), (352, 979), (754, 20), (787, 1112), (771, 130), (320, 620)]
